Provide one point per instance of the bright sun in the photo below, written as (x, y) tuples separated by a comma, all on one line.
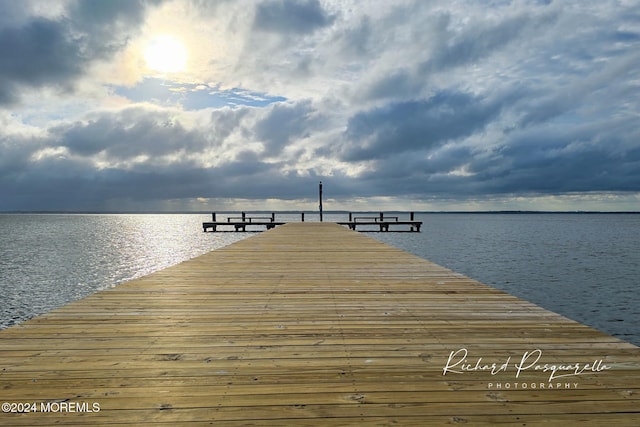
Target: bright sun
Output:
[(165, 54)]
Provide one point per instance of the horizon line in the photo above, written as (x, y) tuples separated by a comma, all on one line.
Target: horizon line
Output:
[(289, 211)]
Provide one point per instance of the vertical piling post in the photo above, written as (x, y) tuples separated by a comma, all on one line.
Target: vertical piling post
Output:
[(302, 216), (213, 216), (320, 197), (350, 216), (243, 216)]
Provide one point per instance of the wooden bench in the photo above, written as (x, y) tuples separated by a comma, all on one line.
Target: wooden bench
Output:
[(239, 226), (377, 219), (384, 225), (249, 219)]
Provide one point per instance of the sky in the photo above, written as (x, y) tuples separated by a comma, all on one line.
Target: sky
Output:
[(195, 105)]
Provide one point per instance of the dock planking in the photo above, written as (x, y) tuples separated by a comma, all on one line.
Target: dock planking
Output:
[(313, 324)]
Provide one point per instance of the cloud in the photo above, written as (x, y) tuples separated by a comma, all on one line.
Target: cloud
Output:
[(404, 100), (56, 51), (128, 134), (38, 54), (109, 15), (416, 125), (284, 123), (474, 43), (147, 153), (578, 158), (291, 17)]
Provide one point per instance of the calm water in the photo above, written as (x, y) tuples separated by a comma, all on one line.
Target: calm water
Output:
[(585, 267), (49, 260)]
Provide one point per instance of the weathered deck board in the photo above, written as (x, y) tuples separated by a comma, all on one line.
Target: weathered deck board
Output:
[(310, 324)]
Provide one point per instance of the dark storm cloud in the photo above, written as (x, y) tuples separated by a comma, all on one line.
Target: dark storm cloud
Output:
[(291, 16)]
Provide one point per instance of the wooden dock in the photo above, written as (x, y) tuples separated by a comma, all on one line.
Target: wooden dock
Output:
[(312, 324), (240, 223), (379, 222)]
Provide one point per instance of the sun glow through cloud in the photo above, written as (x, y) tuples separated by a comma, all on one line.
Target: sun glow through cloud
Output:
[(166, 54)]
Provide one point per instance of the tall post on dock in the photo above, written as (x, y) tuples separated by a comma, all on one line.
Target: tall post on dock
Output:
[(320, 197)]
